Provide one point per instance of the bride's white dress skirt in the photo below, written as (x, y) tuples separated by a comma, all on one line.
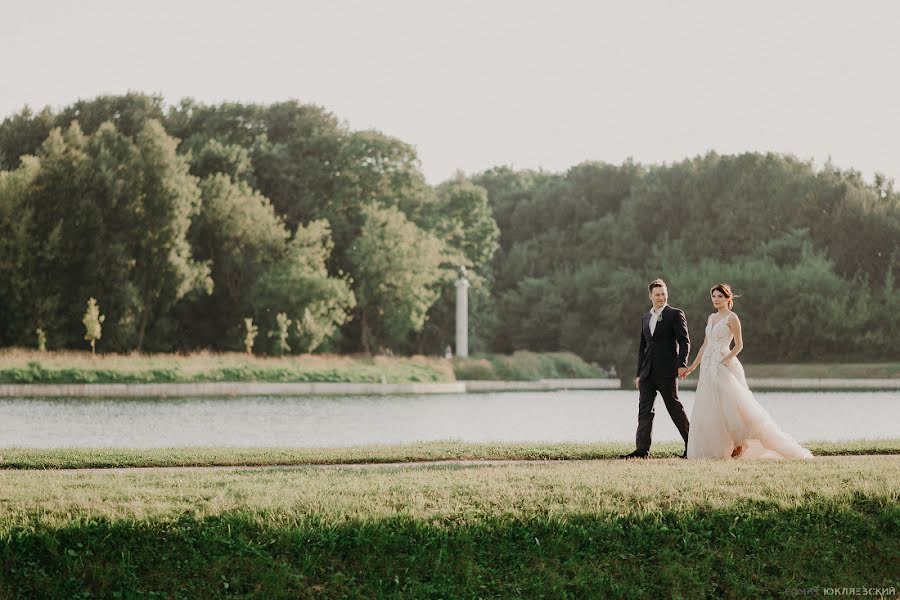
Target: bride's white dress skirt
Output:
[(727, 416)]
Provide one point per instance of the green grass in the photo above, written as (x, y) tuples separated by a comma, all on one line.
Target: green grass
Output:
[(525, 366), (25, 366), (20, 366), (598, 529), (826, 370), (70, 458)]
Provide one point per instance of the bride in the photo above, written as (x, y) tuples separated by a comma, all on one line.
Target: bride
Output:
[(727, 421)]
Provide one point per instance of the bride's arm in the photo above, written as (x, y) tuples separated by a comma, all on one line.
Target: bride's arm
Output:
[(697, 360), (699, 357), (735, 325)]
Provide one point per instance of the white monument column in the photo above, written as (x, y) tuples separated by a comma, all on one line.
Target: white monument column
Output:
[(462, 314)]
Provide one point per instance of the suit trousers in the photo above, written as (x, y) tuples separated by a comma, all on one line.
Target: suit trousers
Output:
[(668, 388)]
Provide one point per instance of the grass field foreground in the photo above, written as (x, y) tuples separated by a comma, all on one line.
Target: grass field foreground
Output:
[(597, 529)]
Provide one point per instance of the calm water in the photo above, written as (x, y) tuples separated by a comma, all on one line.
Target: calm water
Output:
[(582, 416)]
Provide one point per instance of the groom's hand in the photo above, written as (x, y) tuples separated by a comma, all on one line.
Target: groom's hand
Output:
[(637, 382), (682, 372)]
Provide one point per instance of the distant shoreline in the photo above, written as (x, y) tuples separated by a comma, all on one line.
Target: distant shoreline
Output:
[(163, 390), (27, 373)]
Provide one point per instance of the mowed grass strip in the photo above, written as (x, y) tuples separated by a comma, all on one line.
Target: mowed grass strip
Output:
[(598, 529), (73, 458)]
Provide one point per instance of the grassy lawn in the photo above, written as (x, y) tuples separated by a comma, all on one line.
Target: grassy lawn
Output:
[(595, 529), (69, 458), (826, 370)]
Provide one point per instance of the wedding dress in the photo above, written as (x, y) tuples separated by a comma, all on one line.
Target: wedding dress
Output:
[(726, 418)]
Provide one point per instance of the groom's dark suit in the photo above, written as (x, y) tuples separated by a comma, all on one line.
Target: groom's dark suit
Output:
[(659, 357)]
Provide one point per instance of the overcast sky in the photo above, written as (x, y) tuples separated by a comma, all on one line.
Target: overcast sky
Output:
[(476, 84)]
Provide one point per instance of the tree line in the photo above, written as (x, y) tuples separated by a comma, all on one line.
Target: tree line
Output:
[(184, 221)]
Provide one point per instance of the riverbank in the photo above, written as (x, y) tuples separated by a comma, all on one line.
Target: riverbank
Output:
[(26, 373), (22, 366), (229, 389), (203, 456), (624, 529), (19, 366)]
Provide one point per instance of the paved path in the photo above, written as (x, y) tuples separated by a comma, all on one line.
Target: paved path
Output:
[(355, 466)]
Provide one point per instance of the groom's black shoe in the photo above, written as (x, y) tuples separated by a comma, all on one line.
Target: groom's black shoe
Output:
[(635, 454), (684, 455)]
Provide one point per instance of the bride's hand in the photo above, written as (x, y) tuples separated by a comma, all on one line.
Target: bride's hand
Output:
[(726, 361)]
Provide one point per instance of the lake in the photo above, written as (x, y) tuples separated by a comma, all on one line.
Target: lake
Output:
[(563, 416)]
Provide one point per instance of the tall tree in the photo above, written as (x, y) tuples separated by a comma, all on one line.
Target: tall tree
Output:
[(397, 272), (16, 253), (294, 148), (238, 233), (299, 285), (164, 270), (460, 216), (22, 135)]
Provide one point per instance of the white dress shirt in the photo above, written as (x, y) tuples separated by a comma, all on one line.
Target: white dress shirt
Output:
[(654, 314)]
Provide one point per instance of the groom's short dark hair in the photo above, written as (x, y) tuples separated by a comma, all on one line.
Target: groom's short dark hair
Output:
[(656, 283)]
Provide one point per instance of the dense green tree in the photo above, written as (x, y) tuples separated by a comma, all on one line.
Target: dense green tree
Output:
[(825, 235), (294, 148), (531, 316), (461, 218), (129, 113), (275, 207), (299, 285), (22, 134), (229, 159), (397, 275), (238, 233), (164, 270), (58, 253), (507, 190), (109, 217), (17, 251), (374, 170)]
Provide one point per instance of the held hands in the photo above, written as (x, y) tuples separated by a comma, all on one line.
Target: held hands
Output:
[(683, 372)]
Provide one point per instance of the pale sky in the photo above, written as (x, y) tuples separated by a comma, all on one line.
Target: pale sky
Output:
[(477, 84)]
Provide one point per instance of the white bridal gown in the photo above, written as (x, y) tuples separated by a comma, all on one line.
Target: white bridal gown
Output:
[(726, 415)]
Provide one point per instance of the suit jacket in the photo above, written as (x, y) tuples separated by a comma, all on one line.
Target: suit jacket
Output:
[(667, 349)]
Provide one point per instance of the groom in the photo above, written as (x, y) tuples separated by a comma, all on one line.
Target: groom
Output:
[(662, 358)]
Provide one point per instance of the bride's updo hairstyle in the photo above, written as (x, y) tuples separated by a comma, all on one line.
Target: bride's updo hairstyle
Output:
[(725, 289)]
